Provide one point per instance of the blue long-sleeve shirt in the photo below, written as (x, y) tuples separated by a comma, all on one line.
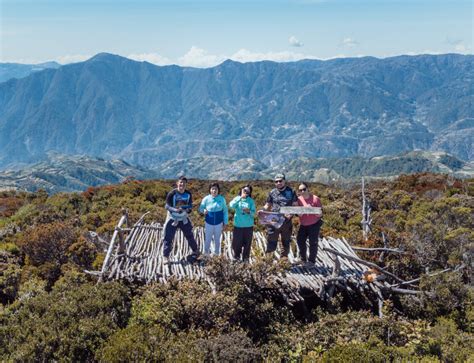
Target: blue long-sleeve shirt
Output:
[(216, 207)]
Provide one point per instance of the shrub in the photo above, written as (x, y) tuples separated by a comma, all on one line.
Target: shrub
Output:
[(140, 343), (9, 282), (182, 306), (70, 323), (448, 343), (444, 295), (48, 243), (82, 252)]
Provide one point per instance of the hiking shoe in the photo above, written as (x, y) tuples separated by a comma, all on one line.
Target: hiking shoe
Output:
[(192, 257)]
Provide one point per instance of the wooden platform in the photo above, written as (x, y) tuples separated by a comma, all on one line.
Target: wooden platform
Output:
[(142, 258), (136, 254)]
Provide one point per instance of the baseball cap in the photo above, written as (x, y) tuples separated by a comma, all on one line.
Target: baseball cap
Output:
[(279, 176)]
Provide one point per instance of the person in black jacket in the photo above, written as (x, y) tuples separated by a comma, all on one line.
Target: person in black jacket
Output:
[(281, 196), (179, 201)]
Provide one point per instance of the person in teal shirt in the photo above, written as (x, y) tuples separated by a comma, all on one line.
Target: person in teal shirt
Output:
[(214, 207), (244, 207)]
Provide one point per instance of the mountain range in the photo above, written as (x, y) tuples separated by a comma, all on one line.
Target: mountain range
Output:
[(112, 107), (61, 173), (18, 70)]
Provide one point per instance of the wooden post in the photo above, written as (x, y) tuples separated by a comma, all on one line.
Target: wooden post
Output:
[(111, 247), (366, 218)]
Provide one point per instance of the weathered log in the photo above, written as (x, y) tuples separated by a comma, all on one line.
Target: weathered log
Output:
[(367, 263), (429, 275), (405, 291), (394, 250)]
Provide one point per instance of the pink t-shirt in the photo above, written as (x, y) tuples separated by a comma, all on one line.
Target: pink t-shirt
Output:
[(308, 219)]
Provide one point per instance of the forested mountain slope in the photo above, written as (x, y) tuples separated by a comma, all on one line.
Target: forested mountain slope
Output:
[(113, 107)]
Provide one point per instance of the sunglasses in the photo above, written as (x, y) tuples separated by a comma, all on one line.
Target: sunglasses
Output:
[(302, 190), (279, 181)]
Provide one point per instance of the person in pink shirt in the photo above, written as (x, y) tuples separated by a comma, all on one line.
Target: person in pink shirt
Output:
[(310, 224)]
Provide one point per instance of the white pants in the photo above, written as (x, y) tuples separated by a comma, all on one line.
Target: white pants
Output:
[(213, 232)]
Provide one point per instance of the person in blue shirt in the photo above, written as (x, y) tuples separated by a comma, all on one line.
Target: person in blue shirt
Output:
[(214, 208), (244, 207), (179, 201)]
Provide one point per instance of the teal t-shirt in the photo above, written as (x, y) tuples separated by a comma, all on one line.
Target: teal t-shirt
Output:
[(242, 219)]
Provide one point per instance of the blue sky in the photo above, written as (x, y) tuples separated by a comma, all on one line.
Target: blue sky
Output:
[(204, 33)]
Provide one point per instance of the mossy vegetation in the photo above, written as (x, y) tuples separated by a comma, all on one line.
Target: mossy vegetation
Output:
[(51, 310)]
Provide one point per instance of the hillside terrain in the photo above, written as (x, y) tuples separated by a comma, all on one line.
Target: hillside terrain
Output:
[(113, 107), (61, 173), (51, 310)]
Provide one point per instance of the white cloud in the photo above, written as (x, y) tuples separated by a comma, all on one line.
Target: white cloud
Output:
[(154, 58), (457, 44), (295, 42), (244, 55), (426, 51), (197, 57), (460, 48), (349, 42), (72, 58), (201, 58)]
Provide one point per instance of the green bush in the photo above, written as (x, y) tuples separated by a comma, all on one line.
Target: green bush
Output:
[(9, 282), (69, 323), (448, 343)]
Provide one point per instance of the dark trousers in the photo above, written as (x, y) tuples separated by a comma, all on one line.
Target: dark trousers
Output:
[(242, 242), (272, 238), (310, 232), (170, 231)]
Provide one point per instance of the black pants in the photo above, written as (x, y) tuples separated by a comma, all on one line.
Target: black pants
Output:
[(170, 231), (272, 238), (310, 232), (242, 242)]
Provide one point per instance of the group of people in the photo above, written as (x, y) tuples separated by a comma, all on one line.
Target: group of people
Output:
[(179, 203)]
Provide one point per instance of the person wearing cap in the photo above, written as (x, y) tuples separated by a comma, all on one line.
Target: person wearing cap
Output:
[(214, 207), (179, 200), (281, 196), (310, 224), (244, 207)]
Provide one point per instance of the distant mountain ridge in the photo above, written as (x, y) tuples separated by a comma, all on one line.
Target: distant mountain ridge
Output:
[(113, 107), (76, 173), (18, 70), (60, 173)]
